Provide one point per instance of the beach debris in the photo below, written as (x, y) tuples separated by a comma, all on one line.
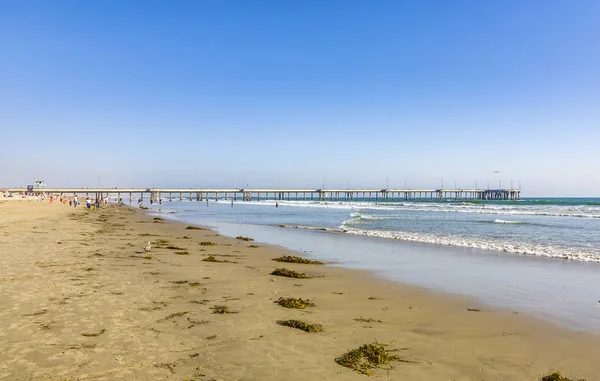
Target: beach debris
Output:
[(41, 312), (148, 247), (239, 237), (173, 316), (204, 301), (372, 298), (289, 273), (366, 357), (207, 243), (169, 366), (294, 259), (94, 334), (221, 309), (298, 303), (369, 320), (474, 309), (301, 325), (182, 252), (557, 376), (253, 246), (157, 220), (195, 228), (196, 322), (171, 247), (212, 258), (211, 337)]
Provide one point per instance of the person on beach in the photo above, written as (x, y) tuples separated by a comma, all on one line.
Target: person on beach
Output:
[(75, 201), (88, 203), (232, 203), (97, 203)]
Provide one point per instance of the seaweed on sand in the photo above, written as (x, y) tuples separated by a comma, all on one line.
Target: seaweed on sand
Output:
[(298, 303), (298, 324), (289, 273), (294, 259), (557, 376), (171, 247), (94, 334), (207, 243), (195, 228), (366, 357), (369, 320), (221, 309), (173, 316), (244, 238), (182, 252)]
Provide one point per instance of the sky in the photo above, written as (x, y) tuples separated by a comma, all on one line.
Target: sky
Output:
[(301, 93)]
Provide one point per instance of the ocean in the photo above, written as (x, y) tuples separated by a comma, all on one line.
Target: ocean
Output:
[(539, 255)]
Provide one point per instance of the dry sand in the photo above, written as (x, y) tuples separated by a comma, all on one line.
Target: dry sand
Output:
[(78, 303)]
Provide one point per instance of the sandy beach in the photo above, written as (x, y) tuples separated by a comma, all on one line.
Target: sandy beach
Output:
[(81, 300)]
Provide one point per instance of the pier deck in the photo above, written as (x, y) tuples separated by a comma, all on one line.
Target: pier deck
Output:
[(242, 194)]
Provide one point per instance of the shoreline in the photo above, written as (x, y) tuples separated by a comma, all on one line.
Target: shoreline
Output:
[(128, 296)]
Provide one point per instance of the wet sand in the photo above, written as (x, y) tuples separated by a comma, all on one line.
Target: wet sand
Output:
[(81, 301)]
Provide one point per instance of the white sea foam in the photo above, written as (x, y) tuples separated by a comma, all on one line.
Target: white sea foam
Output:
[(499, 221), (520, 248), (578, 211)]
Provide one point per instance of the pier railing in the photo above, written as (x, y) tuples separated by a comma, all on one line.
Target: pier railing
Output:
[(245, 194)]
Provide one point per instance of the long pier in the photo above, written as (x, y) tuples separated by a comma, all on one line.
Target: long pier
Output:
[(200, 194)]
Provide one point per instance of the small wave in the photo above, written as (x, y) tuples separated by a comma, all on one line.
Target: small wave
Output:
[(304, 227), (499, 221), (507, 247)]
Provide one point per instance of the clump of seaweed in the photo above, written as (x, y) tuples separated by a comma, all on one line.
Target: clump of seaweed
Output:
[(94, 334), (298, 303), (173, 316), (294, 259), (369, 320), (207, 243), (298, 324), (244, 238), (171, 247), (221, 309), (182, 252), (557, 376), (160, 243), (157, 219), (211, 258), (366, 357), (289, 273), (196, 322), (195, 228), (253, 246), (204, 301)]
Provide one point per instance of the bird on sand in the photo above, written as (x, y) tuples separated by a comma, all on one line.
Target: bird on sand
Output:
[(148, 247)]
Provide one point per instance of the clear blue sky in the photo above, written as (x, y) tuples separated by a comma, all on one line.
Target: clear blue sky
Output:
[(268, 93)]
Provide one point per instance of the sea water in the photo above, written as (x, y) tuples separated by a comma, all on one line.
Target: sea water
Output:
[(537, 255)]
